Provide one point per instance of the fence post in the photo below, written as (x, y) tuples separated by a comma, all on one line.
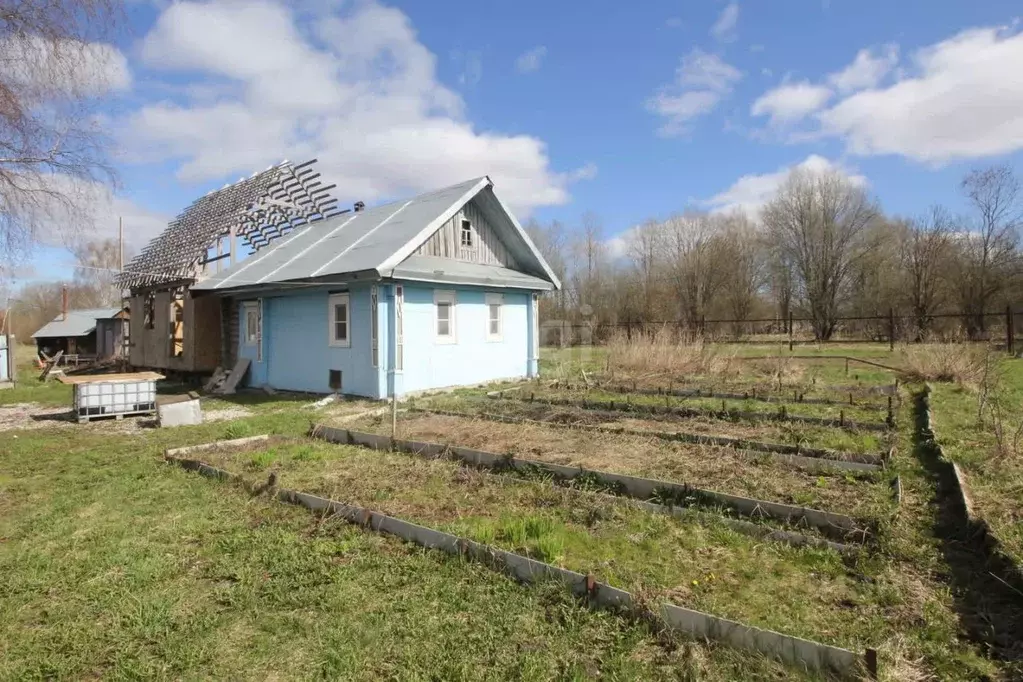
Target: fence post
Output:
[(891, 329), (1010, 331), (790, 330)]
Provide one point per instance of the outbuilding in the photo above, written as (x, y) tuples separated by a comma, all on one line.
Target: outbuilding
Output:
[(90, 334), (431, 292)]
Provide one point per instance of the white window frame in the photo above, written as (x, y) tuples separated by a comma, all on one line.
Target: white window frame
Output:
[(536, 326), (492, 300), (465, 229), (254, 308), (399, 331), (250, 308), (374, 333), (332, 301), (441, 296)]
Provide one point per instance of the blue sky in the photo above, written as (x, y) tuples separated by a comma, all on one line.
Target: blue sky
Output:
[(629, 110)]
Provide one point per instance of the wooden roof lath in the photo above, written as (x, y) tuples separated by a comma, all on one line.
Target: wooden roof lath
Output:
[(259, 209)]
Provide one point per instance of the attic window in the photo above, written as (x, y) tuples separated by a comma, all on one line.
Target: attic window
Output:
[(466, 241)]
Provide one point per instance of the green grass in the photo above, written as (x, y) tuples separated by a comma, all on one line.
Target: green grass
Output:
[(995, 478), (702, 566), (119, 566)]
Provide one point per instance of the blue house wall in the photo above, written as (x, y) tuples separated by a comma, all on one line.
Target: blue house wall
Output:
[(472, 359), (297, 356), (296, 353)]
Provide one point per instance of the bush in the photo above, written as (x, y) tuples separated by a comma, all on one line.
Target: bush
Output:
[(949, 362)]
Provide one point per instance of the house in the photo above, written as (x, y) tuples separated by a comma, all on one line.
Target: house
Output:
[(94, 333), (435, 291), (171, 330)]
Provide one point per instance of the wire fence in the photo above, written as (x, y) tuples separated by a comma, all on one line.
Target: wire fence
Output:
[(996, 328)]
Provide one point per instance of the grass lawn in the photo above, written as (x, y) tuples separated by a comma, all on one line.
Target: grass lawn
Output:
[(116, 564), (995, 477)]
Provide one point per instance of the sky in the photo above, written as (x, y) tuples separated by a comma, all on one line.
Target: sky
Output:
[(627, 110)]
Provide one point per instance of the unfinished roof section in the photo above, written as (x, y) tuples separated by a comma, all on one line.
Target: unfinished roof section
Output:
[(376, 241), (258, 209), (77, 323)]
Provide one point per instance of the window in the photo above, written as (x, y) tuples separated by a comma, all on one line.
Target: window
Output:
[(466, 234), (495, 302), (536, 326), (445, 304), (251, 323), (399, 327), (373, 333), (253, 316), (340, 320)]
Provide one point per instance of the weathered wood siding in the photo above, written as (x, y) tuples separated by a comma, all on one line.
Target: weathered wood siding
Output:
[(152, 347), (487, 247)]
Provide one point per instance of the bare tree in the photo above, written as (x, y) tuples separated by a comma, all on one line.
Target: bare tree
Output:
[(924, 246), (743, 267), (643, 247), (691, 248), (98, 263), (986, 248), (818, 222), (51, 72)]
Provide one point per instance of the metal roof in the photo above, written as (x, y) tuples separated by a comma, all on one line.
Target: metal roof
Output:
[(377, 240), (78, 323)]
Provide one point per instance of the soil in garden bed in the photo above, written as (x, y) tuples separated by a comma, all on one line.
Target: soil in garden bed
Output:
[(834, 438), (863, 496)]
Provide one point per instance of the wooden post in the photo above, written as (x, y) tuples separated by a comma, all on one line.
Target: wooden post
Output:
[(790, 330), (1010, 331), (891, 329), (847, 366)]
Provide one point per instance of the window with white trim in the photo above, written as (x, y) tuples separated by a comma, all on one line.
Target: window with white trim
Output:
[(466, 235), (495, 312), (444, 302), (339, 316), (251, 309), (253, 335), (374, 334), (399, 327)]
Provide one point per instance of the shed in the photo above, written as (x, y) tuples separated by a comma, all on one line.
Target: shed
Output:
[(92, 333), (435, 291)]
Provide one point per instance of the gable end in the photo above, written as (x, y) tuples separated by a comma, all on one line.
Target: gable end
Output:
[(485, 246)]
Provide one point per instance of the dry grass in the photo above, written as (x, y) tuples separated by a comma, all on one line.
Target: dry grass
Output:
[(717, 469), (665, 351), (949, 362)]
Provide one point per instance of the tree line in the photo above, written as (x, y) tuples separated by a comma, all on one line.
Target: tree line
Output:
[(821, 250)]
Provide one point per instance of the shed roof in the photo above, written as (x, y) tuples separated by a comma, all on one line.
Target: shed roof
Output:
[(78, 323), (378, 240)]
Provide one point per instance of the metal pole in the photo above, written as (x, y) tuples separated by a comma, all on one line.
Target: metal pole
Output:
[(1010, 331), (394, 416), (790, 330), (891, 329)]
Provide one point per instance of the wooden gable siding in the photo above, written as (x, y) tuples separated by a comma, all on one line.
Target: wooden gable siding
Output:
[(487, 247)]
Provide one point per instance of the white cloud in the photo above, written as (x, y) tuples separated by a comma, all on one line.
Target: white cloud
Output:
[(963, 100), (866, 70), (353, 87), (790, 102), (93, 213), (530, 60), (750, 192), (471, 65), (674, 22), (724, 28), (89, 69), (701, 81)]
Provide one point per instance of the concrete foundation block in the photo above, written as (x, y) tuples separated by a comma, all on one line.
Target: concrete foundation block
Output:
[(183, 413)]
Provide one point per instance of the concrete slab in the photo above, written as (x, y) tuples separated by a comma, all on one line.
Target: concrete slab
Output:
[(181, 413)]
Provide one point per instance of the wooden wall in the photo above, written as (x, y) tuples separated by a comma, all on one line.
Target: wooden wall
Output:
[(487, 247), (152, 347)]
